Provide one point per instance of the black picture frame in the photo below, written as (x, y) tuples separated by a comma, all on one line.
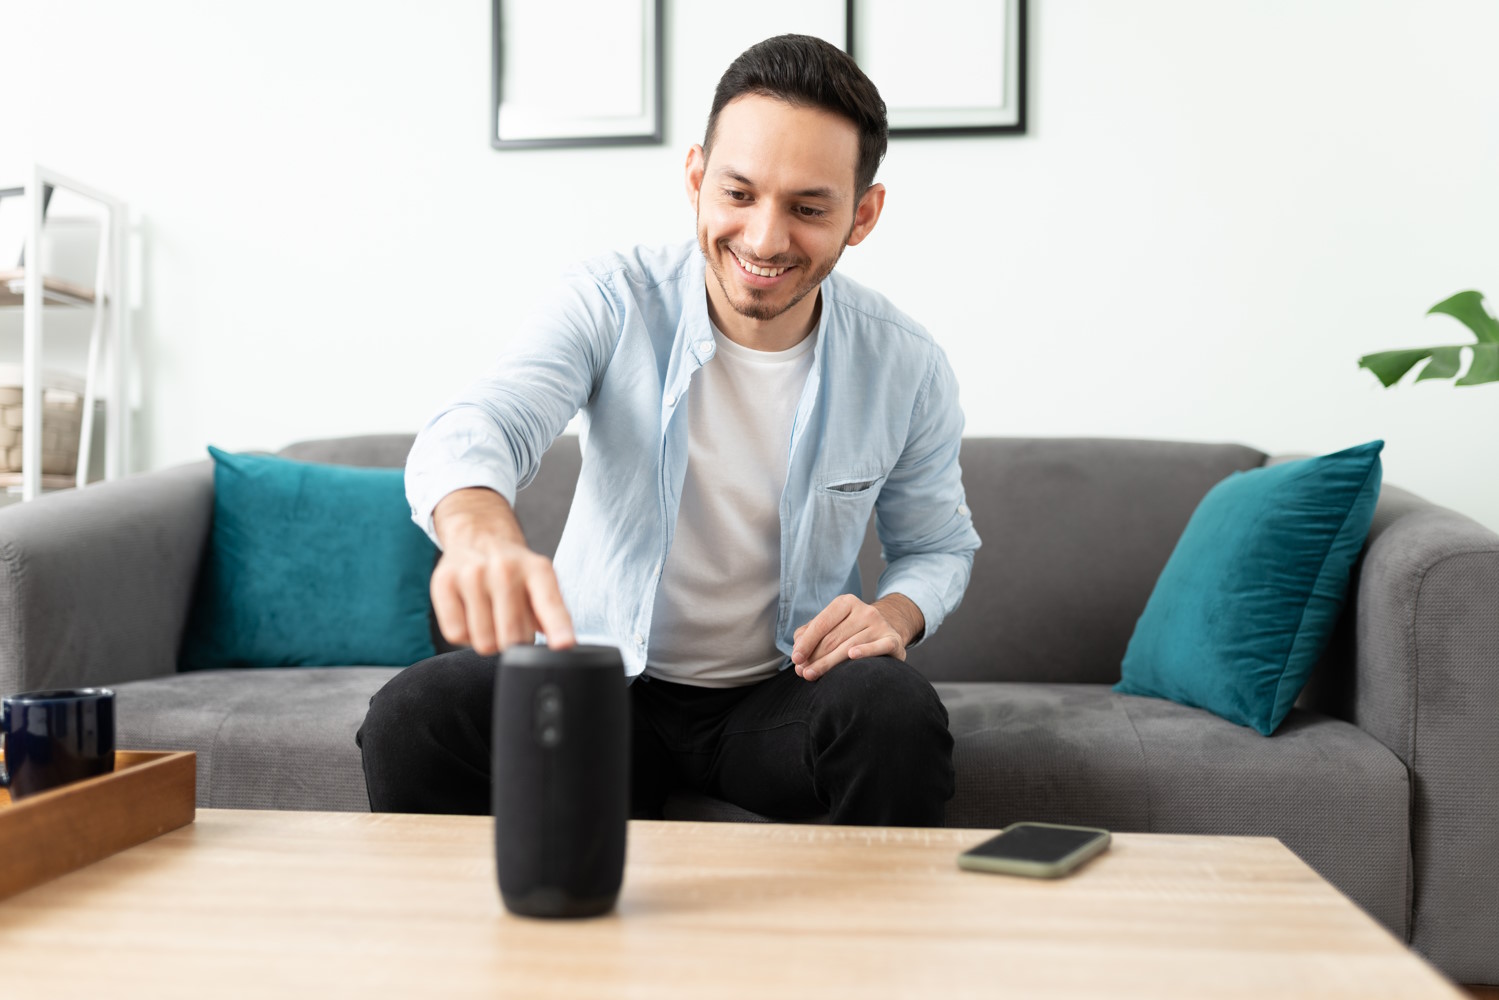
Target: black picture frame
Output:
[(653, 78), (1016, 83)]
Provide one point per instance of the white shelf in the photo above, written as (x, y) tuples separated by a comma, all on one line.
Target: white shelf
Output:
[(104, 377), (55, 291)]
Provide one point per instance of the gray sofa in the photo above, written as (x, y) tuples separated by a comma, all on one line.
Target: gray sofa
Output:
[(1385, 778)]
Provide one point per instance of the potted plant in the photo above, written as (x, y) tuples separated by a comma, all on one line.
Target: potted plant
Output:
[(1390, 366)]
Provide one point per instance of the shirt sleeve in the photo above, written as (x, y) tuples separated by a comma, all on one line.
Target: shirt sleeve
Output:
[(922, 517), (495, 432)]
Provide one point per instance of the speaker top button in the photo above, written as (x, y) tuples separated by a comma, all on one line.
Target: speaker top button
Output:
[(547, 722)]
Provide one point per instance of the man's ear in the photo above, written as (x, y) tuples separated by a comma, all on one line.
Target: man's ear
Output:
[(697, 163), (867, 213)]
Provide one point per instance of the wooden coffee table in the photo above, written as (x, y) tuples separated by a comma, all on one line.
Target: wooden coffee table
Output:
[(347, 904)]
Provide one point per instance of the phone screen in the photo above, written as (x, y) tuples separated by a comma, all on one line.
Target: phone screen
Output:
[(1034, 843)]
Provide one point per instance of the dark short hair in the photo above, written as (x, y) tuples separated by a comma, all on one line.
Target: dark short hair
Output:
[(807, 71)]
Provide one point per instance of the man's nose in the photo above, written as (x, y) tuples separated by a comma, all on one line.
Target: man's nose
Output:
[(766, 233)]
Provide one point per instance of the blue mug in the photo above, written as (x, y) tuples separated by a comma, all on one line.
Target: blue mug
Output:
[(54, 737)]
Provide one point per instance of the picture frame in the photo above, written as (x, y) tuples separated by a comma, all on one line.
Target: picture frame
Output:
[(973, 79), (561, 78)]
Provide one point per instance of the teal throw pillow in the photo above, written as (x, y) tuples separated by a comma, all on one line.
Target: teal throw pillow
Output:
[(309, 565), (1249, 598)]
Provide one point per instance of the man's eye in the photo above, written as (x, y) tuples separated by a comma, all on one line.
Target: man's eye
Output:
[(735, 195), (808, 212)]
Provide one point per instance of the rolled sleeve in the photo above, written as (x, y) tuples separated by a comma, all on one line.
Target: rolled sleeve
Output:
[(494, 434), (458, 449), (925, 528)]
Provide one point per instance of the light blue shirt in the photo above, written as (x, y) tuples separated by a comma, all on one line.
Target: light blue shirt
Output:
[(877, 428)]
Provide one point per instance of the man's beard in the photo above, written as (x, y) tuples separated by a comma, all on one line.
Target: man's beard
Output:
[(757, 308)]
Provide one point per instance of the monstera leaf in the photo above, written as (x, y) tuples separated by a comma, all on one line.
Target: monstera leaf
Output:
[(1390, 366)]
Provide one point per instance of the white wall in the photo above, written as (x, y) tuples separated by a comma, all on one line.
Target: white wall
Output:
[(1219, 207)]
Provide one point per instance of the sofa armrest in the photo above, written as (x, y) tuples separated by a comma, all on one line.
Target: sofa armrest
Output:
[(96, 584), (1425, 683)]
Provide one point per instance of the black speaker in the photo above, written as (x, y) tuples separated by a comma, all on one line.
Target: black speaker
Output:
[(561, 779)]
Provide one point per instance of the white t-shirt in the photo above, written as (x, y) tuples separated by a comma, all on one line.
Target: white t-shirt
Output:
[(715, 616)]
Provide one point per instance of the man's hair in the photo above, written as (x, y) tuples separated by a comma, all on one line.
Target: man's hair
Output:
[(810, 72)]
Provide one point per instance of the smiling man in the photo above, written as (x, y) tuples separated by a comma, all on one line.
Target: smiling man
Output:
[(745, 409)]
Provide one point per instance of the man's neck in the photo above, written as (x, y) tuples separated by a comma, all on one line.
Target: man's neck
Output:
[(779, 334)]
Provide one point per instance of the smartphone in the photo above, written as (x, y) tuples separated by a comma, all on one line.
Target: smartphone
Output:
[(1040, 850)]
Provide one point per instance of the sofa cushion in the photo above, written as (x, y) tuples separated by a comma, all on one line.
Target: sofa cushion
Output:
[(309, 564), (265, 739), (1082, 754), (1248, 601)]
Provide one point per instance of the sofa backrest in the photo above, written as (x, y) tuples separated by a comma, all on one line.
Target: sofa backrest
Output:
[(1075, 533), (541, 507)]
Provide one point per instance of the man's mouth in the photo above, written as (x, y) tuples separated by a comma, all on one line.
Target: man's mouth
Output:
[(758, 270)]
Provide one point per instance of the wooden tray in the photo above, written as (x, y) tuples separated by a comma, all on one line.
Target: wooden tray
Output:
[(53, 833)]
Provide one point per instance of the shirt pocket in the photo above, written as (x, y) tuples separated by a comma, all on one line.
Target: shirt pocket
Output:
[(843, 505), (852, 487)]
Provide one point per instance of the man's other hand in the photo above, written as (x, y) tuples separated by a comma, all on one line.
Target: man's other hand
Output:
[(489, 590), (849, 629)]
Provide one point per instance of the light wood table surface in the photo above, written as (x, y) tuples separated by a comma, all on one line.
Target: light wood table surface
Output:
[(359, 905)]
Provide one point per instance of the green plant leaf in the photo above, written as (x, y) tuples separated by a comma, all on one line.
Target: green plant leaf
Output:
[(1468, 308), (1485, 366), (1444, 363), (1389, 366)]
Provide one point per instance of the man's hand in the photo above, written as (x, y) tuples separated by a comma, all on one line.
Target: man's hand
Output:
[(489, 590), (849, 629)]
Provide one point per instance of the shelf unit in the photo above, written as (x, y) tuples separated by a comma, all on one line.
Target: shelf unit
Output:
[(28, 288)]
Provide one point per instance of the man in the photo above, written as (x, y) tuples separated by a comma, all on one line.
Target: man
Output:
[(744, 411)]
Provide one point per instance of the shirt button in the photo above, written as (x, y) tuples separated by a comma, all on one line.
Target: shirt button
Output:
[(963, 509), (639, 639), (671, 401)]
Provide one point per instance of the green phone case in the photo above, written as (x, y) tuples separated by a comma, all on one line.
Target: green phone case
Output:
[(1039, 869)]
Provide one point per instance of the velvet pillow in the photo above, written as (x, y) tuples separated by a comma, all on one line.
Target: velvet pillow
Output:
[(309, 565), (1249, 598)]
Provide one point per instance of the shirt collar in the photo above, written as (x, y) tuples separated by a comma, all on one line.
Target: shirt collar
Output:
[(696, 330)]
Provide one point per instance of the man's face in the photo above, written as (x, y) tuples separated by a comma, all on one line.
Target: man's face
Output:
[(775, 202)]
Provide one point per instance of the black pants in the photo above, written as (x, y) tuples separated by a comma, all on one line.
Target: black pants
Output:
[(867, 743)]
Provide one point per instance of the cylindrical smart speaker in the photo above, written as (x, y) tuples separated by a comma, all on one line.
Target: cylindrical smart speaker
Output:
[(561, 779)]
